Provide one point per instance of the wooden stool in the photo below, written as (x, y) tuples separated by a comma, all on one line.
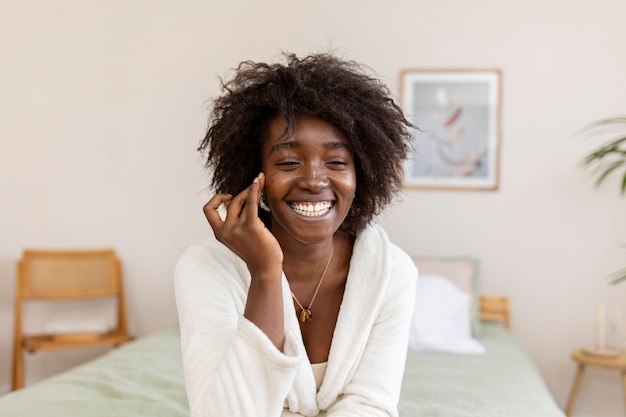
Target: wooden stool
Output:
[(583, 359)]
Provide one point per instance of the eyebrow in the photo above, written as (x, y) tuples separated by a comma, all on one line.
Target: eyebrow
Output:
[(294, 144)]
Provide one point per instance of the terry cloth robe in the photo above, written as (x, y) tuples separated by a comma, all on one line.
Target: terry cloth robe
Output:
[(232, 368)]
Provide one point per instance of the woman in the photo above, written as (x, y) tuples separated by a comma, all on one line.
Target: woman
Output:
[(300, 306)]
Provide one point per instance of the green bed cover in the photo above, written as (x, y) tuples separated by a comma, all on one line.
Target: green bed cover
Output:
[(144, 379), (503, 382)]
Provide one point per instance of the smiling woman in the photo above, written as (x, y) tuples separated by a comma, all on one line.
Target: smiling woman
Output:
[(300, 305), (310, 179)]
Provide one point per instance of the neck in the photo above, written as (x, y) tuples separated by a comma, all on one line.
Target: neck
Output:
[(303, 265)]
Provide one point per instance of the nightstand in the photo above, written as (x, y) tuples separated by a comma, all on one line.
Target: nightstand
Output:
[(617, 362)]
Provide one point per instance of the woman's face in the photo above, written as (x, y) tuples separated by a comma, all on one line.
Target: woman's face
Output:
[(310, 179)]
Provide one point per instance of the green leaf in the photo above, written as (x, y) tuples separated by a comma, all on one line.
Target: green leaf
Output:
[(614, 144), (611, 147), (615, 121), (612, 167), (618, 276), (611, 155)]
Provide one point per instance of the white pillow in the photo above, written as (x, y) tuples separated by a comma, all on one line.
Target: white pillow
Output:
[(441, 318)]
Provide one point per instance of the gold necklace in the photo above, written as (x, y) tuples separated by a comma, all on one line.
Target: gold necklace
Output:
[(305, 313)]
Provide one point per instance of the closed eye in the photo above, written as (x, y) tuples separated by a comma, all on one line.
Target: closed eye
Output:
[(288, 164), (337, 164)]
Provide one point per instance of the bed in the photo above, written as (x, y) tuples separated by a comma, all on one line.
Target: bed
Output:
[(463, 360), (502, 382), (144, 378)]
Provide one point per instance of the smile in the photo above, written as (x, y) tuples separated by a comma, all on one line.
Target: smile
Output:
[(312, 209)]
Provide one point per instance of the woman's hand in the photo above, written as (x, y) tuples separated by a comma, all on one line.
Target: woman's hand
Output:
[(243, 232)]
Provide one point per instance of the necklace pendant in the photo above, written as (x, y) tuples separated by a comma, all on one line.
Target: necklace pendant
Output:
[(305, 315)]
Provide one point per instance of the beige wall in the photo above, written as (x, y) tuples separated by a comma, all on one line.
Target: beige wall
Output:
[(102, 104)]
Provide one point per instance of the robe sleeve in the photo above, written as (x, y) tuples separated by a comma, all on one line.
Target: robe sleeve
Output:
[(231, 367)]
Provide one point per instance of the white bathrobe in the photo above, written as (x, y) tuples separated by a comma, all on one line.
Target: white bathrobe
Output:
[(232, 369)]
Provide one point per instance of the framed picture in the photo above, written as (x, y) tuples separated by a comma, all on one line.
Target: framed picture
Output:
[(456, 114)]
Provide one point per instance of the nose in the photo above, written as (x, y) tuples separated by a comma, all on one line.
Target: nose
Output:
[(314, 177)]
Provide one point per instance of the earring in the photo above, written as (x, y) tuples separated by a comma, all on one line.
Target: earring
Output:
[(263, 203)]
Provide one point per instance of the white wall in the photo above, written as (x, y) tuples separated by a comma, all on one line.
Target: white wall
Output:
[(102, 104)]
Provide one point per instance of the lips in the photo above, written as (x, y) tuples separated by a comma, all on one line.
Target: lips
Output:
[(310, 209)]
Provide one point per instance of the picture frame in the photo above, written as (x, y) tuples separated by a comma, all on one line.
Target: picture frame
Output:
[(456, 134)]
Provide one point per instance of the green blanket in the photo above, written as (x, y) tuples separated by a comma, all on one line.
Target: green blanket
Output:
[(502, 382), (144, 379)]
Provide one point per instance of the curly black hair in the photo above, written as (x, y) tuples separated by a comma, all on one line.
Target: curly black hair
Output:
[(340, 92)]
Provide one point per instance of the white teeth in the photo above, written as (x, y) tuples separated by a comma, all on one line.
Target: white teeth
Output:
[(312, 209)]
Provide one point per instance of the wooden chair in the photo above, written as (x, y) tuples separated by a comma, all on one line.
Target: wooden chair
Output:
[(47, 275)]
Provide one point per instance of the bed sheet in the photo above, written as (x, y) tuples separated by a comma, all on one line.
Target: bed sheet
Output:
[(502, 382), (142, 378)]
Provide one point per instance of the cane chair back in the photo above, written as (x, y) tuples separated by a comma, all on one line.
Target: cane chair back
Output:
[(53, 275)]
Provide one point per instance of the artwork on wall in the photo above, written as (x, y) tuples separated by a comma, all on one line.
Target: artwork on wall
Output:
[(456, 114)]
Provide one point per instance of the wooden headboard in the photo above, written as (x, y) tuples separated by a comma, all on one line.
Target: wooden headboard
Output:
[(495, 309), (462, 271)]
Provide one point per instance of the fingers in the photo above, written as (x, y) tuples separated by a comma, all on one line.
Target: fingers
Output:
[(241, 229), (254, 196), (242, 207), (211, 212)]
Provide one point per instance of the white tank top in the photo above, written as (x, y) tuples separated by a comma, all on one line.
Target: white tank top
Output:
[(319, 370)]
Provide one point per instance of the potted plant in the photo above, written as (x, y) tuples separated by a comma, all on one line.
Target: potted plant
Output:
[(609, 158)]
